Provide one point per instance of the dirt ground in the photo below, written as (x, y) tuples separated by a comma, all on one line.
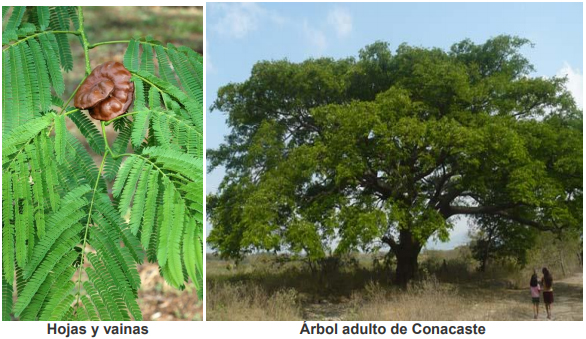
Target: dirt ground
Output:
[(497, 303), (568, 301), (159, 301)]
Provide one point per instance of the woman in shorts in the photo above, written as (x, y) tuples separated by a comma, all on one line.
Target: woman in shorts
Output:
[(547, 282)]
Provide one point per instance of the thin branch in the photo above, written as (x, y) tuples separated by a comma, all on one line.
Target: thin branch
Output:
[(37, 34), (122, 42), (493, 209), (87, 226), (84, 41)]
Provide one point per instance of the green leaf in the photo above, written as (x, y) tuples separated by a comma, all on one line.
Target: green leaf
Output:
[(30, 86), (24, 133), (6, 299), (131, 60), (43, 16), (139, 202), (146, 61), (174, 243), (60, 21), (66, 243), (49, 47), (154, 98), (70, 213), (139, 99), (182, 163), (60, 134), (140, 127), (44, 86), (165, 71), (191, 250), (15, 18), (191, 78), (166, 222), (20, 100), (150, 208), (89, 130), (130, 186), (7, 96), (8, 251)]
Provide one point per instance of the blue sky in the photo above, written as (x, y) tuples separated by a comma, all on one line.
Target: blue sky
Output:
[(240, 34)]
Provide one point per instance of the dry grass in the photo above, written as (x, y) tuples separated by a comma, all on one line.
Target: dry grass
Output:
[(242, 301), (426, 300), (263, 288)]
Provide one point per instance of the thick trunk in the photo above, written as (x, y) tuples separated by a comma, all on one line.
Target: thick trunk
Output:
[(406, 251)]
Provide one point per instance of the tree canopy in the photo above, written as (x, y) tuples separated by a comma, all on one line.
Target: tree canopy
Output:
[(389, 148)]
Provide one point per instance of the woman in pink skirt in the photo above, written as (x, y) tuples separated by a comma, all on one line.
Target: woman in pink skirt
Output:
[(535, 289)]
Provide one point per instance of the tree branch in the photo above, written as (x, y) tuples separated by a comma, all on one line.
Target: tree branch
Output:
[(494, 209), (527, 222)]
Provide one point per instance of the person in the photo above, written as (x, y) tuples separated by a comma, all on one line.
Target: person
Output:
[(547, 283), (535, 288)]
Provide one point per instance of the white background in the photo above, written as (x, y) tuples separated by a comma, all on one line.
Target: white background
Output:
[(258, 330)]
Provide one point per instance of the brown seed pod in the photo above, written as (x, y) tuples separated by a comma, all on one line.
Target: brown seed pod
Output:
[(107, 92)]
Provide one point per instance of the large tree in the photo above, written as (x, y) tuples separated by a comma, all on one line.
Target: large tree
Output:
[(392, 148)]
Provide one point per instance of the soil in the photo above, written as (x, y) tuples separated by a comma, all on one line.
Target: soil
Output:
[(498, 303), (568, 300)]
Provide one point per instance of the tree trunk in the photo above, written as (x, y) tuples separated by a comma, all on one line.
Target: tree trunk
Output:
[(486, 251), (406, 251)]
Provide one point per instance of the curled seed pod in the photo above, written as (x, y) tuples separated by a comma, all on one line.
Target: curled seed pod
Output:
[(107, 92)]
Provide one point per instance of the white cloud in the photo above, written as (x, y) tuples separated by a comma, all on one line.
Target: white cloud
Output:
[(575, 82), (315, 37), (239, 19), (341, 20)]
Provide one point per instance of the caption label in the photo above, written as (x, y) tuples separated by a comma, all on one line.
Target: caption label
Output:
[(70, 330), (372, 328)]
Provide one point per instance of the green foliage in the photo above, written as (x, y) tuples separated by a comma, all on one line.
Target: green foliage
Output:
[(338, 155), (496, 239), (68, 251)]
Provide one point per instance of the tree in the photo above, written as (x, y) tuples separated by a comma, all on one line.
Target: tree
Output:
[(497, 238), (67, 251), (392, 148)]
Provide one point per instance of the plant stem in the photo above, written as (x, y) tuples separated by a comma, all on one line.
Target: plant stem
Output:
[(108, 149), (122, 42), (35, 35), (150, 83), (88, 69), (84, 42), (125, 115), (87, 226), (67, 103), (108, 43), (71, 112), (73, 94)]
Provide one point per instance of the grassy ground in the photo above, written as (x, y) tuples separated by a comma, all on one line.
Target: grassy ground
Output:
[(265, 288)]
